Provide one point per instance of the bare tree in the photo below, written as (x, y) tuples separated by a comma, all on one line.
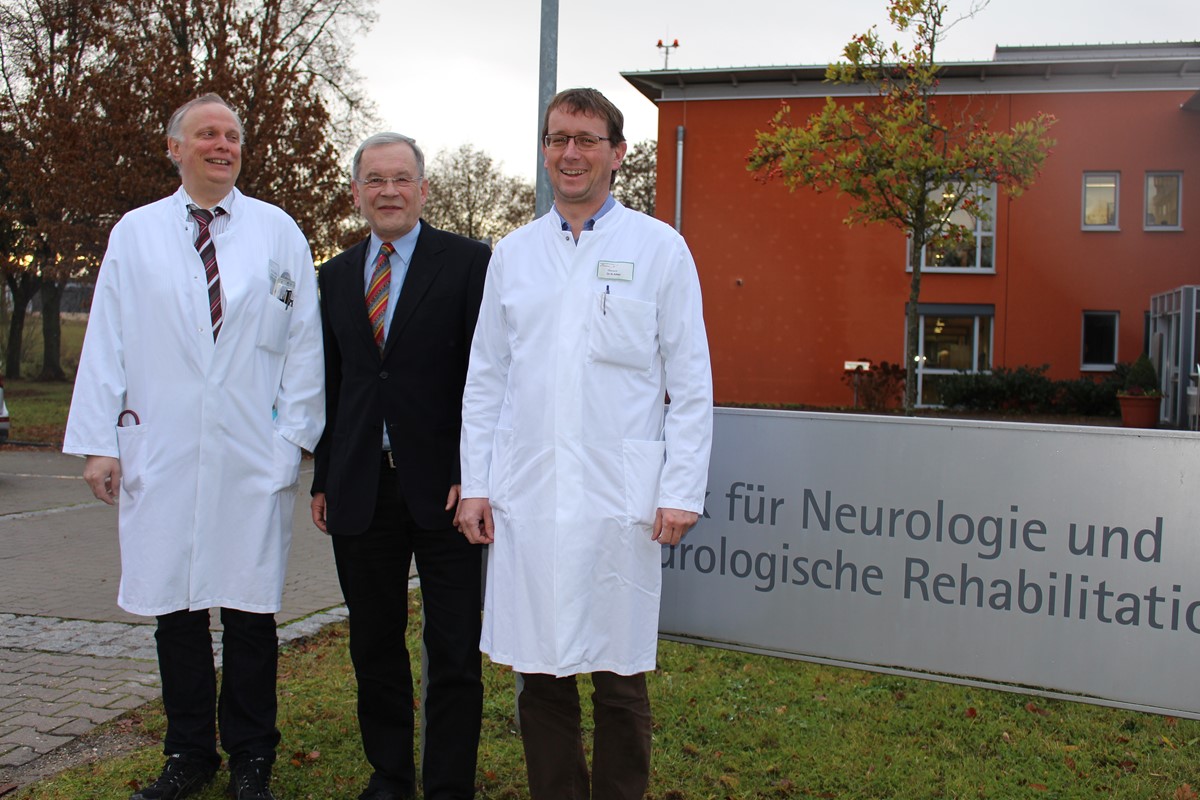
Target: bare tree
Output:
[(636, 179), (468, 195)]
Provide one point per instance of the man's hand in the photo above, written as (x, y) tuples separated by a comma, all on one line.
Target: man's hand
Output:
[(452, 500), (474, 520), (670, 524), (317, 506), (103, 474)]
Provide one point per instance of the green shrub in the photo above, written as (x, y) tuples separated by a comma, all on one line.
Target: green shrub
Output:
[(971, 391), (1142, 377), (1027, 390), (1088, 397), (1023, 390)]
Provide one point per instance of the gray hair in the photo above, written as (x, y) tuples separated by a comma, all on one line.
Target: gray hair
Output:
[(381, 139), (175, 126)]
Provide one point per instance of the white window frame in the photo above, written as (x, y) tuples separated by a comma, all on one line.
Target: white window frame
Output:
[(1150, 176), (933, 312), (1116, 181), (983, 230), (1087, 366)]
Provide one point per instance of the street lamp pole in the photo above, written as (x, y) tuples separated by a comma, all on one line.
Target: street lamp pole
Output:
[(547, 86)]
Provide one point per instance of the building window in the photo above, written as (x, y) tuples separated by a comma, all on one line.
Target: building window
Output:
[(953, 339), (1100, 205), (1163, 194), (977, 249), (1100, 340)]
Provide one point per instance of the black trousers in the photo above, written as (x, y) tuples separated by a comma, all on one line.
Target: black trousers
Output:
[(246, 708), (373, 571), (552, 734)]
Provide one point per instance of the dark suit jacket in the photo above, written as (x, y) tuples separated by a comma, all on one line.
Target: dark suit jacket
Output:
[(416, 384)]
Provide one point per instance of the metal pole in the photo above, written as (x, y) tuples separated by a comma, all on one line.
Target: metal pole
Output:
[(679, 178), (547, 86)]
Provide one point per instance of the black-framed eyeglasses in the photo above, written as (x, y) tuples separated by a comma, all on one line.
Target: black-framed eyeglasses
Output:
[(583, 141), (400, 181)]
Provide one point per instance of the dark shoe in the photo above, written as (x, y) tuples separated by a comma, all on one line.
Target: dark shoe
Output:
[(380, 794), (250, 779), (182, 776)]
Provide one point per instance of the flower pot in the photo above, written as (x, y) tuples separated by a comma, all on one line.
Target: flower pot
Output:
[(1139, 411)]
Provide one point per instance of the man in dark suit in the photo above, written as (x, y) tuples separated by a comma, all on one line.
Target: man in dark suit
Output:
[(399, 310)]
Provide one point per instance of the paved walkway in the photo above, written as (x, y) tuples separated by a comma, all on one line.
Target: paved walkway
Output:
[(69, 657)]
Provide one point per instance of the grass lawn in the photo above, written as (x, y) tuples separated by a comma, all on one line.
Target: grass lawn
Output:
[(38, 409), (733, 725)]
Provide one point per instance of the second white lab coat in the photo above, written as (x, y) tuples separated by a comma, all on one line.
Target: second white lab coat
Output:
[(566, 432), (209, 475)]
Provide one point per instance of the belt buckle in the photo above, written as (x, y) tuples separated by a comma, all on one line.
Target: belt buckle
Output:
[(391, 459)]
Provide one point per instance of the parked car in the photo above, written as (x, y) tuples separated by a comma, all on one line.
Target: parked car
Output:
[(3, 415)]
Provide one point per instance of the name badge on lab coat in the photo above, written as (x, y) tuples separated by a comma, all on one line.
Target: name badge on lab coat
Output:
[(615, 270)]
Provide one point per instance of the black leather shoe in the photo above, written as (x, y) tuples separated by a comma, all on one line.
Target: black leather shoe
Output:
[(250, 779), (380, 794), (182, 776)]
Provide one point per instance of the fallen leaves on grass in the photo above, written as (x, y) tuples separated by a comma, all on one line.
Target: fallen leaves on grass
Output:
[(299, 759)]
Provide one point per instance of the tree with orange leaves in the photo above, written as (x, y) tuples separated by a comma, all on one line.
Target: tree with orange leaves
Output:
[(86, 88)]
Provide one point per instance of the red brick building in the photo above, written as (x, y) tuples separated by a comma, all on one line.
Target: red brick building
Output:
[(1062, 275)]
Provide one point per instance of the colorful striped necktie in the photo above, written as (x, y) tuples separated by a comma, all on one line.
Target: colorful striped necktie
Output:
[(208, 254), (377, 292)]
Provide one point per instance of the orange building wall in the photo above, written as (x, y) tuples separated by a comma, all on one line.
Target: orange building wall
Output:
[(791, 293)]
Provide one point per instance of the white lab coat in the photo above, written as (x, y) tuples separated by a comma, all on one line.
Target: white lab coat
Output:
[(565, 431), (209, 476)]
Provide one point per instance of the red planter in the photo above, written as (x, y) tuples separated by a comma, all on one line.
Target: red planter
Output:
[(1139, 411)]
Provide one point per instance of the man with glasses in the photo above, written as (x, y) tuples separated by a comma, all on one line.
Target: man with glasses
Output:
[(398, 310), (199, 384), (573, 470)]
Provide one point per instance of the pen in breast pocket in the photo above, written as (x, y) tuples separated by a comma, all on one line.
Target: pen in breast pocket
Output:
[(604, 301)]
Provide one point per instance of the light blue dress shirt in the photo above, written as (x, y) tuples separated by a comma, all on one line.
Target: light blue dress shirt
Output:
[(399, 262)]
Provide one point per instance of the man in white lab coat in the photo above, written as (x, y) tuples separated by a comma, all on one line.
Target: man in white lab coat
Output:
[(201, 380), (573, 469)]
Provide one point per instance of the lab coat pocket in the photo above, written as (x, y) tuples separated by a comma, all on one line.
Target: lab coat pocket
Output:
[(273, 326), (643, 462), (287, 464), (133, 452), (622, 332)]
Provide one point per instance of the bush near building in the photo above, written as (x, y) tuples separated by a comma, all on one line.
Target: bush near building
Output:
[(1027, 390)]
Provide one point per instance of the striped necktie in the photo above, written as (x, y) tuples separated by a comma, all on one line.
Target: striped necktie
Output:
[(208, 254), (377, 292)]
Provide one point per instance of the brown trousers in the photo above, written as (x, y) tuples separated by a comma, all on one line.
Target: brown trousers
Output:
[(553, 738)]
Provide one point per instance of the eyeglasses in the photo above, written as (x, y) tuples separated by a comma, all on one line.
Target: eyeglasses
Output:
[(400, 182), (583, 141)]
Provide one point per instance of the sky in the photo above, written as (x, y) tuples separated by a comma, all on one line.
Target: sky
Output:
[(466, 71)]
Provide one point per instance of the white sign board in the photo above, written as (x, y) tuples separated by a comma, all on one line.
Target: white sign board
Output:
[(1060, 557)]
